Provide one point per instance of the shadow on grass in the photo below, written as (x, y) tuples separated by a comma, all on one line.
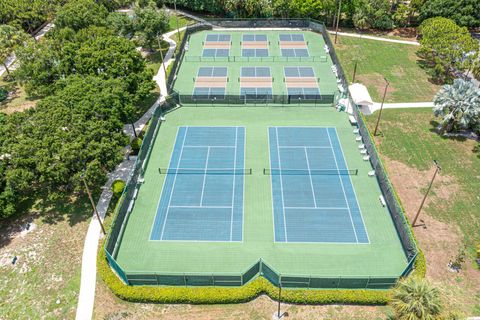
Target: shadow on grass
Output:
[(436, 128)]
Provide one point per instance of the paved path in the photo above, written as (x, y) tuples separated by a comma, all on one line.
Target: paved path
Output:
[(11, 60), (356, 35), (401, 105), (86, 298)]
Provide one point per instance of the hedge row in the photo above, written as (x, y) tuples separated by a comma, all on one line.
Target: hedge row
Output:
[(219, 295)]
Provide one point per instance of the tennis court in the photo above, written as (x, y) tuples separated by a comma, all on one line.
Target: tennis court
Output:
[(202, 197), (312, 192)]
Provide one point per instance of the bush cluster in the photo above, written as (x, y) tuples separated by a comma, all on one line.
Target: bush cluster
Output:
[(222, 295), (3, 94)]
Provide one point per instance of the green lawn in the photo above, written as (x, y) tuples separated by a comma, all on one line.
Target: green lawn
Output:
[(182, 21), (397, 62), (408, 137), (18, 100)]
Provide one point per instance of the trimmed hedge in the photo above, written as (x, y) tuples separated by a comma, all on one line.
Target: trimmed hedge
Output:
[(223, 295)]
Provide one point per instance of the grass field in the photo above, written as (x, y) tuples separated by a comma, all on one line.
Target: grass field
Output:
[(182, 21), (397, 62), (409, 137), (408, 145), (45, 281)]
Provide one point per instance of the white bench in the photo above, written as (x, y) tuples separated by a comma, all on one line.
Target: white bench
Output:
[(382, 200), (352, 120)]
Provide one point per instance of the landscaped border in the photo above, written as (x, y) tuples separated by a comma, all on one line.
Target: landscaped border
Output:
[(245, 293)]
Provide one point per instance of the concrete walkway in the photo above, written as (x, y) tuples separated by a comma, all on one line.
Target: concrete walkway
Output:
[(86, 298), (10, 62), (356, 35), (376, 106)]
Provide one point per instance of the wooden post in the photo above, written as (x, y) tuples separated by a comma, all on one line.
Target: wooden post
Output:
[(354, 71), (437, 169), (93, 203), (338, 20), (381, 106)]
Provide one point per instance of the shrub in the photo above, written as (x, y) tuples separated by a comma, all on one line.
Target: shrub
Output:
[(136, 144), (117, 187), (221, 295), (3, 94)]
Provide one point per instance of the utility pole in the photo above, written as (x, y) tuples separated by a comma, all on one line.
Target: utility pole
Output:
[(381, 106), (354, 71), (93, 203), (437, 169), (338, 20)]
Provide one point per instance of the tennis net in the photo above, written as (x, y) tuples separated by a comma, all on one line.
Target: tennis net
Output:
[(332, 172), (205, 171)]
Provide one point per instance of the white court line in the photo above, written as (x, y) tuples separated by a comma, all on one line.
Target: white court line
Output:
[(343, 189), (233, 187), (354, 192), (202, 207), (318, 208), (310, 176), (271, 185), (301, 147), (173, 186), (163, 186), (208, 146), (281, 187), (205, 176)]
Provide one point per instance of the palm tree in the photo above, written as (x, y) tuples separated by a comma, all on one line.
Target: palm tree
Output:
[(416, 299), (459, 105)]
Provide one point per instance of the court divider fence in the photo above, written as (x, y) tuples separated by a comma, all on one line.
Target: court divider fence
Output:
[(321, 100), (260, 268), (255, 59)]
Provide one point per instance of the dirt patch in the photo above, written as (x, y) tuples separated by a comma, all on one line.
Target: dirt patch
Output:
[(8, 109), (440, 241), (375, 81), (260, 308)]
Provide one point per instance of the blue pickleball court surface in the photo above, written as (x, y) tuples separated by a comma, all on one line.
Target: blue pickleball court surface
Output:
[(202, 196), (312, 191)]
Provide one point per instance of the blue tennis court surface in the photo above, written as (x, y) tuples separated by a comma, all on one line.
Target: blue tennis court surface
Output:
[(202, 196), (313, 196)]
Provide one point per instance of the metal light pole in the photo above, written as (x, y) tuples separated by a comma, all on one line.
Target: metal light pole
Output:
[(437, 169), (133, 128), (338, 20), (381, 106), (93, 203)]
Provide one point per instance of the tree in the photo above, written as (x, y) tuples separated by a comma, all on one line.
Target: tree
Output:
[(449, 50), (373, 14), (10, 39), (459, 105), (313, 8), (463, 12), (91, 14), (27, 14), (91, 51), (121, 23), (149, 24), (415, 299), (40, 65)]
